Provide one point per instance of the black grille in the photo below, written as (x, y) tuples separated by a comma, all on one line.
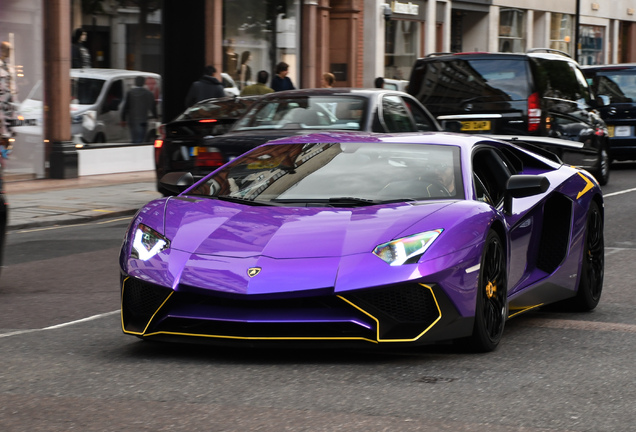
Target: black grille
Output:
[(140, 300), (404, 311)]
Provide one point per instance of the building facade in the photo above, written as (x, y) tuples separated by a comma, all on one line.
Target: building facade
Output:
[(356, 40)]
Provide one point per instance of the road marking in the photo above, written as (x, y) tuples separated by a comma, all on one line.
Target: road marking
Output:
[(57, 326), (619, 192), (30, 230)]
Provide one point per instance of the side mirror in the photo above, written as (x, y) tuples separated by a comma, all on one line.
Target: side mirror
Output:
[(177, 182), (521, 186)]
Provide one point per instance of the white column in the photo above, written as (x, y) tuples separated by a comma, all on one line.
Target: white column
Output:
[(446, 47), (431, 18), (493, 29), (374, 34), (615, 35), (529, 29)]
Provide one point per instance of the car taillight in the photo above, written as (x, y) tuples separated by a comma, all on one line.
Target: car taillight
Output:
[(161, 136), (158, 143), (208, 157), (534, 112)]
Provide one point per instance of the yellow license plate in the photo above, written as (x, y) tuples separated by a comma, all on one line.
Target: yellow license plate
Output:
[(475, 125), (610, 131)]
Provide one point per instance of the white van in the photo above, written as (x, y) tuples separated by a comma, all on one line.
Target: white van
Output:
[(97, 96)]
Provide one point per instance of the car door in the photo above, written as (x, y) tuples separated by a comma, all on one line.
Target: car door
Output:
[(491, 171)]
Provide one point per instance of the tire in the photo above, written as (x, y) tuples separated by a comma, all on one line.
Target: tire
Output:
[(602, 171), (588, 292), (491, 303)]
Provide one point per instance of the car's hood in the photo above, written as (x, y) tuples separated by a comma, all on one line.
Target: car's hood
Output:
[(212, 227)]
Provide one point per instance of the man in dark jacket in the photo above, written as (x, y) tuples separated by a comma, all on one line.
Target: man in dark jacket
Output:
[(138, 106), (205, 88)]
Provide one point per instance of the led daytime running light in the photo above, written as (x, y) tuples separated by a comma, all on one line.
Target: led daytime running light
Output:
[(406, 250), (147, 243)]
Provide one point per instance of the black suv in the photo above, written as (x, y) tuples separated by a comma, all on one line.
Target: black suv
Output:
[(541, 93), (617, 83)]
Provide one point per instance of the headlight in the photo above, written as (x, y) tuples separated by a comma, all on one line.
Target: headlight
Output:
[(407, 250), (147, 243)]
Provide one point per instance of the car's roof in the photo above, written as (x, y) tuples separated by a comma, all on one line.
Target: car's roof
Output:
[(618, 66), (492, 55), (424, 138), (338, 91), (109, 73)]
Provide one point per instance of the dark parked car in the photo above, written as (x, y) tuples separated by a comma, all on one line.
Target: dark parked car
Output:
[(618, 84), (195, 127), (538, 94), (190, 144)]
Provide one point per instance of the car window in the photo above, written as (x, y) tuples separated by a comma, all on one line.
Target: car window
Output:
[(306, 112), (395, 115), (561, 80), (114, 96), (493, 172), (85, 91), (423, 121), (620, 86), (460, 81)]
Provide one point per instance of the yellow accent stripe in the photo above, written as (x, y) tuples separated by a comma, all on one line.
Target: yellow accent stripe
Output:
[(588, 185), (522, 310), (377, 322)]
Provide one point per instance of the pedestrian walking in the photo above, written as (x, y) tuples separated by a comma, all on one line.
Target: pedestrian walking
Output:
[(206, 87), (260, 88), (139, 105), (281, 81), (379, 82)]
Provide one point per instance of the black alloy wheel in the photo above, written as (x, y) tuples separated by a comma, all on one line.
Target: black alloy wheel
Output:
[(590, 286), (492, 292)]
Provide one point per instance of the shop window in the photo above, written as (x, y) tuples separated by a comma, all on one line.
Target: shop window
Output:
[(562, 33), (258, 38), (512, 30), (401, 48), (592, 45)]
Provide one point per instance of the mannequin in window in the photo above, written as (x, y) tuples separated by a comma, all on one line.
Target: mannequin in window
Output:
[(244, 73)]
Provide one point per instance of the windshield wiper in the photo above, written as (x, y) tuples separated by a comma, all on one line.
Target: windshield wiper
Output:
[(335, 201), (240, 200)]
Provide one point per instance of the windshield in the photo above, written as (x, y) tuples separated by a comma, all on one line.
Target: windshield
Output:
[(339, 174), (310, 112), (461, 81), (84, 91)]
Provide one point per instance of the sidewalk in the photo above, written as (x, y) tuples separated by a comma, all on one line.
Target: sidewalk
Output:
[(47, 202)]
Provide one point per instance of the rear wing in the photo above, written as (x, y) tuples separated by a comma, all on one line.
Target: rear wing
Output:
[(545, 146)]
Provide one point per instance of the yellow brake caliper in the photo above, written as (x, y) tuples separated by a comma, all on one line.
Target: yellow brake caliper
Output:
[(491, 290)]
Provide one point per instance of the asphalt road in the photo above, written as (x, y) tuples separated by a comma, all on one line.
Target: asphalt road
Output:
[(66, 365)]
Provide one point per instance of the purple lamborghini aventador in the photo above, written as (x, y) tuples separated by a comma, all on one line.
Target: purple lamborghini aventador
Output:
[(354, 239)]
